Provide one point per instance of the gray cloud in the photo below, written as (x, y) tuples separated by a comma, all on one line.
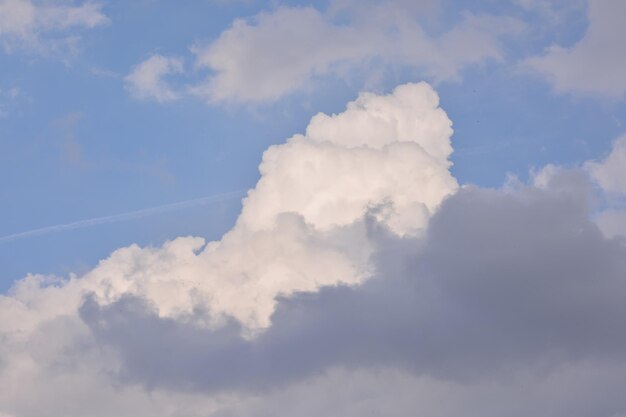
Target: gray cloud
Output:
[(505, 280)]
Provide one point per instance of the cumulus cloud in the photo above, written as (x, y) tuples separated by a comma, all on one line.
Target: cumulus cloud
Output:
[(42, 25), (594, 65), (358, 279), (503, 282), (304, 226), (279, 52), (146, 80)]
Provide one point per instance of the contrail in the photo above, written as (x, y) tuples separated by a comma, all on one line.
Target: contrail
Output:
[(124, 216)]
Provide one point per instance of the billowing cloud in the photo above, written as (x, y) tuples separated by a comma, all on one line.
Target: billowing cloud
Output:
[(43, 24), (358, 279), (372, 156), (596, 64), (279, 52), (303, 226), (503, 282)]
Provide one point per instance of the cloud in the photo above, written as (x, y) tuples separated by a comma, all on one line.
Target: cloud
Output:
[(42, 26), (146, 80), (303, 226), (384, 161), (277, 53), (370, 156), (503, 282), (594, 65), (9, 99), (359, 279), (612, 222), (610, 173)]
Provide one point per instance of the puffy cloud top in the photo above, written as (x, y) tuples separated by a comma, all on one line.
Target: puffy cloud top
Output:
[(384, 154)]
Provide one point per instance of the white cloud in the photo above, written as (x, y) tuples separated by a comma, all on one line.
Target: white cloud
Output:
[(146, 80), (41, 25), (372, 154), (279, 52), (302, 226), (596, 64)]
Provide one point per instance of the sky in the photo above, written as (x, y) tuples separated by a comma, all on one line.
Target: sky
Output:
[(343, 208)]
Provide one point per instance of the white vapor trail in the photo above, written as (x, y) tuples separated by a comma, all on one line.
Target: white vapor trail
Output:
[(123, 216)]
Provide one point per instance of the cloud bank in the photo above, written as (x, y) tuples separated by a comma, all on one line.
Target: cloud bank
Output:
[(359, 279)]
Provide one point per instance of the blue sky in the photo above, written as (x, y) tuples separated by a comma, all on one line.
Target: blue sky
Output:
[(112, 111)]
